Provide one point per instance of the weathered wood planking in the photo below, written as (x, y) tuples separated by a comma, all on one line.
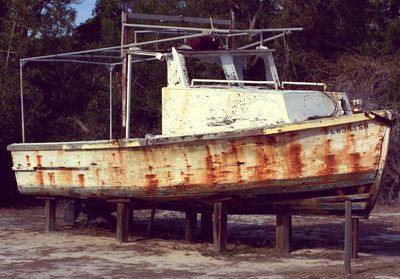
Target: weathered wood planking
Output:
[(330, 153)]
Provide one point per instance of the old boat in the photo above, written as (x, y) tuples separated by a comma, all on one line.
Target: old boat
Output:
[(257, 144)]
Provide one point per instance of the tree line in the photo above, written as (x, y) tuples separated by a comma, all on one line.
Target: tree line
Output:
[(352, 45)]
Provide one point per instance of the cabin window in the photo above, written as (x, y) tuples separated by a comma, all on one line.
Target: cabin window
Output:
[(254, 68), (228, 66), (200, 69)]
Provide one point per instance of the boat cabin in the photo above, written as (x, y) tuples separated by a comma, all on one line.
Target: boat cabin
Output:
[(236, 99)]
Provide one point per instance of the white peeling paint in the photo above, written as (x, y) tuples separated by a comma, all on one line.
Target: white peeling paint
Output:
[(195, 110)]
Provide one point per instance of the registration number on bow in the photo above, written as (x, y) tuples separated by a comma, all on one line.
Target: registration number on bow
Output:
[(347, 129)]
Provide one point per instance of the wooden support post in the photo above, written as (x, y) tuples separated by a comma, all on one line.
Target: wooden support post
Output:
[(347, 238), (122, 231), (151, 221), (354, 238), (206, 229), (50, 215), (283, 234), (190, 224), (220, 226), (130, 217), (71, 211)]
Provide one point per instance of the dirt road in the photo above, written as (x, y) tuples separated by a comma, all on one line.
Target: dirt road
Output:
[(88, 249)]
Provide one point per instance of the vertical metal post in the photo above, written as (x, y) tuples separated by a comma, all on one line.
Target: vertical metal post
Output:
[(124, 41), (21, 65), (110, 69), (128, 96), (231, 40), (347, 238)]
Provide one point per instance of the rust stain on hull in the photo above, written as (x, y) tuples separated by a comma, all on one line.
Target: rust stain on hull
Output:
[(28, 162), (39, 178), (209, 173), (81, 180), (39, 161), (51, 178), (294, 156), (152, 183), (265, 152), (330, 162)]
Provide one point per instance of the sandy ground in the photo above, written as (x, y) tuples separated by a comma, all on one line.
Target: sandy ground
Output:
[(88, 249)]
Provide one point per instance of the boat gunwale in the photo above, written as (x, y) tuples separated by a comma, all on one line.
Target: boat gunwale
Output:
[(173, 139)]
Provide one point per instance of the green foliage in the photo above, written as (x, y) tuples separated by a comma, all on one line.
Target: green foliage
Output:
[(109, 13), (384, 31), (27, 28)]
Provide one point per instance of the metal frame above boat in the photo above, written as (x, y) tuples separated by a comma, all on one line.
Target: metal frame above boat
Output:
[(110, 57)]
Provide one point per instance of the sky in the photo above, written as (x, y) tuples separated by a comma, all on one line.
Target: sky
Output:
[(84, 10)]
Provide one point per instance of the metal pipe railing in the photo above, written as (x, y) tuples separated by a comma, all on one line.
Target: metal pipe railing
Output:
[(304, 83), (128, 96), (180, 18), (235, 81), (21, 66), (212, 30), (262, 41), (110, 69)]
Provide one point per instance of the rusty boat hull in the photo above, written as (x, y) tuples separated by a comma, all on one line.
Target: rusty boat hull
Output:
[(309, 167)]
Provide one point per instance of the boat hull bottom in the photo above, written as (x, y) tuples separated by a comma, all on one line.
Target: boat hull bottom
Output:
[(309, 201)]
